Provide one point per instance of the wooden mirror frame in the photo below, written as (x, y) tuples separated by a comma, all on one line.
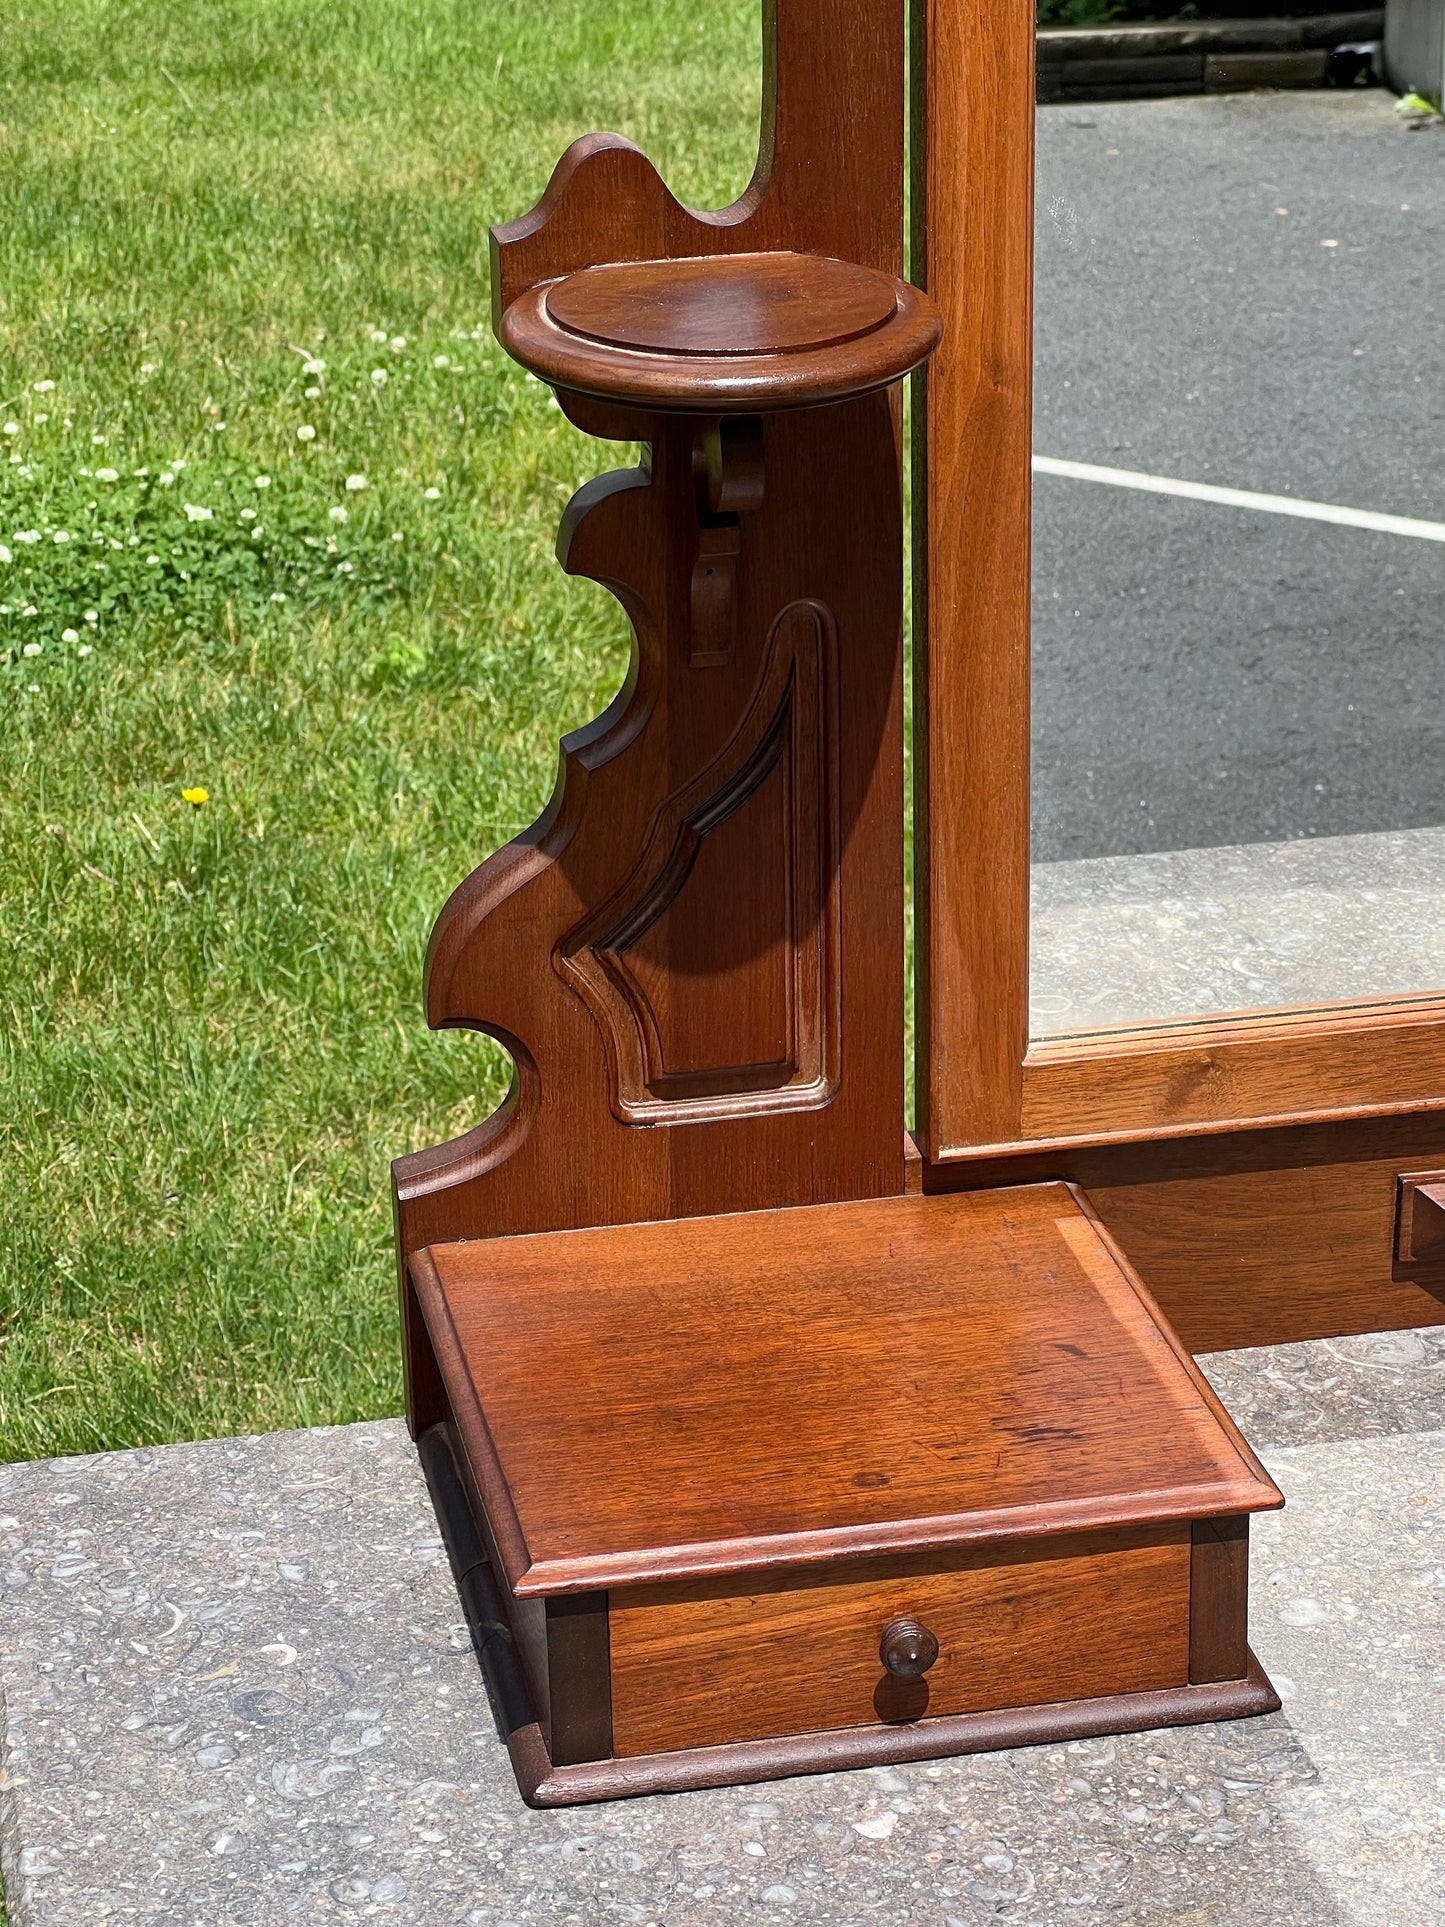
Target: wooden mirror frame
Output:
[(1250, 1164)]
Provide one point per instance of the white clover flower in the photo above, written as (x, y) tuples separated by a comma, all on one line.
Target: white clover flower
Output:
[(315, 366), (32, 649), (147, 367), (85, 650), (27, 535), (355, 484), (98, 441), (441, 361), (29, 609), (178, 465), (344, 568), (152, 558), (44, 387), (380, 377), (432, 494), (116, 545), (70, 635), (195, 513), (38, 419), (339, 514), (5, 555), (248, 515), (398, 344), (378, 334), (256, 531), (12, 428), (397, 536), (92, 615), (140, 473), (107, 475), (262, 481), (166, 479), (216, 427), (312, 394), (306, 433), (278, 596), (60, 535)]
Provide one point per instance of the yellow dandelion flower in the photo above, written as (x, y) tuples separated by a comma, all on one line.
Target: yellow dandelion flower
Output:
[(195, 797)]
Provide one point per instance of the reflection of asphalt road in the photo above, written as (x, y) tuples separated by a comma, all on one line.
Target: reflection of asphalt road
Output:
[(1209, 675)]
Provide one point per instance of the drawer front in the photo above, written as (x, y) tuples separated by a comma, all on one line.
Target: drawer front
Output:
[(701, 1663)]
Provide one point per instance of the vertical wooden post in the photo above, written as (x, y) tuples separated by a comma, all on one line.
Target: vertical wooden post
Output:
[(972, 210)]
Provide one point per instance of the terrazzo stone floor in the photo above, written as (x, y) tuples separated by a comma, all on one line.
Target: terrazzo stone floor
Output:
[(237, 1690)]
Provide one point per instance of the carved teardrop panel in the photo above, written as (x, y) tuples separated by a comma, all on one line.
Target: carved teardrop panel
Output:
[(706, 1016)]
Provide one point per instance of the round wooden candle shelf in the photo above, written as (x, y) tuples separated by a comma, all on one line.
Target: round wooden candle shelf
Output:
[(723, 333)]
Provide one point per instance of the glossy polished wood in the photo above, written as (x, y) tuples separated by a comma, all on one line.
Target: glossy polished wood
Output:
[(739, 304), (1237, 1072), (708, 1663), (987, 1094), (1258, 1237), (743, 1764), (723, 1402), (662, 953), (1420, 1233), (796, 1386), (1218, 1600), (544, 1784), (972, 208), (908, 1648), (732, 333)]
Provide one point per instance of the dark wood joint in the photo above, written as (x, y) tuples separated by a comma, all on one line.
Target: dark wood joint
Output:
[(579, 1676), (1219, 1600)]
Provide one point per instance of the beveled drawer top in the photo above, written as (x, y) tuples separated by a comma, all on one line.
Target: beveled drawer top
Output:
[(783, 1387)]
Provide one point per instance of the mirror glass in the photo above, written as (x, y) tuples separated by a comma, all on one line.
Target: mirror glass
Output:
[(1239, 556)]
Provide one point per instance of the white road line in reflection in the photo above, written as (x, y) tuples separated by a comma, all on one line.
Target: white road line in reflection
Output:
[(1241, 498)]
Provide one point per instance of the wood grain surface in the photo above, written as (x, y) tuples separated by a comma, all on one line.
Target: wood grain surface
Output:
[(1420, 1219), (1273, 1255), (740, 304), (1236, 1072), (1219, 1600), (748, 1761), (1257, 1237), (727, 333), (702, 1664), (983, 1090), (662, 953), (782, 1387), (972, 210)]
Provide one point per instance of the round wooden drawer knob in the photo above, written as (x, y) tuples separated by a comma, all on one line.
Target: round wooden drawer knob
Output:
[(907, 1648)]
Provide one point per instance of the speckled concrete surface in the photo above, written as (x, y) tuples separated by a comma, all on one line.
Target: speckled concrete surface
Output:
[(1183, 933), (237, 1691)]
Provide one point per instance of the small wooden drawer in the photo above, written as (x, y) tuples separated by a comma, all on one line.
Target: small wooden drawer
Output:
[(713, 1461), (703, 1663)]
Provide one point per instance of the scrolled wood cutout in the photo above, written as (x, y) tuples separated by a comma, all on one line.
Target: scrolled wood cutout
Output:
[(667, 970), (662, 952)]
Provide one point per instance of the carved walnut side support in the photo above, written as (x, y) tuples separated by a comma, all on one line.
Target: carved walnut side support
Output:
[(695, 955)]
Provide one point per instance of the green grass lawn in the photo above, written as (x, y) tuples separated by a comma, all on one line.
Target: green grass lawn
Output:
[(276, 524)]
